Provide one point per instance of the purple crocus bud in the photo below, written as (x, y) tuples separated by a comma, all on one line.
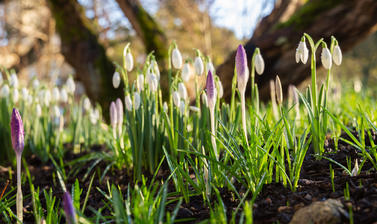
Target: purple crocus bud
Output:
[(242, 69), (113, 115), (17, 131), (69, 210), (211, 90)]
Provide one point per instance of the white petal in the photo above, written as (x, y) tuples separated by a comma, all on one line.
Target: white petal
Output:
[(176, 58), (116, 80), (337, 55), (259, 64)]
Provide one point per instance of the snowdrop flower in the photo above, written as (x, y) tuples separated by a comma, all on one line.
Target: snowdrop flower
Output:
[(194, 109), (259, 63), (337, 55), (35, 83), (182, 107), (63, 95), (38, 110), (242, 69), (13, 81), (136, 100), (87, 104), (326, 58), (128, 103), (24, 94), (140, 82), (176, 98), (357, 85), (210, 67), (56, 111), (204, 99), (302, 52), (152, 82), (55, 94), (94, 116), (182, 91), (165, 107), (29, 100), (15, 95), (220, 88), (4, 91), (199, 67), (46, 97), (154, 69), (69, 209), (70, 86), (113, 117), (279, 90), (116, 79), (176, 58), (186, 72), (128, 60)]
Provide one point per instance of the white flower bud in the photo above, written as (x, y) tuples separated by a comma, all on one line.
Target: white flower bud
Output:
[(87, 104), (63, 95), (357, 85), (113, 117), (24, 94), (128, 103), (176, 98), (355, 169), (140, 82), (1, 78), (35, 83), (4, 91), (210, 67), (194, 109), (38, 110), (182, 91), (165, 107), (94, 116), (326, 58), (55, 94), (129, 61), (204, 99), (182, 107), (220, 88), (29, 100), (176, 58), (337, 55), (15, 95), (70, 86), (45, 97), (56, 111), (302, 52), (116, 79), (152, 82), (199, 67), (186, 72), (279, 91), (259, 64), (13, 81), (136, 100), (119, 109)]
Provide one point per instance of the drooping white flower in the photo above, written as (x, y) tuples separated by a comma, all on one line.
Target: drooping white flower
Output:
[(136, 100), (199, 67), (55, 94), (326, 58), (176, 58), (45, 97), (116, 79), (128, 103), (176, 98), (182, 91), (337, 55), (56, 111), (259, 64), (4, 91), (35, 83), (210, 67), (63, 95), (38, 110), (15, 95), (302, 52), (94, 116), (25, 94), (220, 88), (165, 107), (128, 61), (140, 82), (182, 107), (87, 104), (13, 81), (186, 72), (29, 100), (152, 82), (70, 86), (357, 85)]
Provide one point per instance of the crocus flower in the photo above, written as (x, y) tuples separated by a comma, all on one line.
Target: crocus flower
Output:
[(199, 67), (279, 90), (116, 79), (17, 134), (337, 55), (326, 58), (119, 108), (113, 117), (241, 68), (211, 90), (273, 99), (69, 210), (176, 58)]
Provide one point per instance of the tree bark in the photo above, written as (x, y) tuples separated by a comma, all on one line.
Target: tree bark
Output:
[(147, 29), (349, 21), (81, 49)]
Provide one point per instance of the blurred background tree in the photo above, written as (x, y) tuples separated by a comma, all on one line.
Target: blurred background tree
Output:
[(53, 38)]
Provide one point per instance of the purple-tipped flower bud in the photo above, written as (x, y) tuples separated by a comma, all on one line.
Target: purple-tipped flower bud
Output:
[(211, 90), (113, 115), (17, 131), (242, 69), (69, 210)]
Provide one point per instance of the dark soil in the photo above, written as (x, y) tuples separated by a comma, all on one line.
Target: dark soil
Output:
[(275, 204)]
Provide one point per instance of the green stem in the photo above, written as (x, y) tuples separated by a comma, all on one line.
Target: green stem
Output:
[(19, 190)]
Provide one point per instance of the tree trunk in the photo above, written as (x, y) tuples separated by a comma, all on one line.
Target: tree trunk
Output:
[(349, 21), (147, 29), (81, 49)]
